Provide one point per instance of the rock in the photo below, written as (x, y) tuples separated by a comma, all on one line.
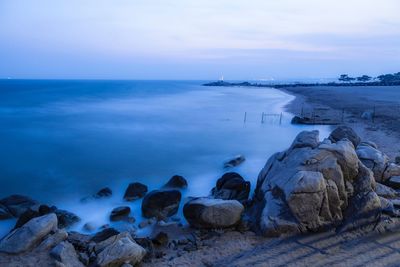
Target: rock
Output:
[(397, 160), (212, 213), (29, 235), (367, 115), (345, 132), (104, 234), (161, 239), (313, 185), (89, 226), (148, 245), (135, 191), (394, 182), (145, 223), (65, 253), (53, 239), (161, 203), (118, 250), (176, 181), (385, 191), (374, 159), (231, 186), (18, 204), (104, 192), (66, 218), (4, 213), (236, 161), (392, 169), (79, 241), (26, 217), (120, 213)]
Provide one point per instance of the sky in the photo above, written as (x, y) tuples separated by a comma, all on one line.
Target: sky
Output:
[(187, 39)]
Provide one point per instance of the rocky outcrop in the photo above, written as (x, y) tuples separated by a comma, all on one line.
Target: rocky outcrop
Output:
[(213, 213), (231, 186), (176, 181), (29, 235), (313, 185), (161, 204), (374, 159), (135, 191), (118, 250), (345, 132)]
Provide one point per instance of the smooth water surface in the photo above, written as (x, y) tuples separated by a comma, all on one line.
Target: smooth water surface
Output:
[(63, 140)]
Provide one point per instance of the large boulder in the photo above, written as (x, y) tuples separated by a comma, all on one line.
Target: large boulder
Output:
[(66, 218), (161, 203), (135, 191), (176, 181), (345, 132), (65, 254), (373, 159), (120, 213), (118, 250), (29, 235), (311, 186), (231, 186), (213, 213), (17, 204)]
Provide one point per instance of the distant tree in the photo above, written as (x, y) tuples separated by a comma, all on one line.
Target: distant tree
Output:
[(346, 78), (364, 78)]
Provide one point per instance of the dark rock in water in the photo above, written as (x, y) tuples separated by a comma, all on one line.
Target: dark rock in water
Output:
[(79, 241), (120, 213), (104, 192), (18, 204), (301, 120), (135, 191), (161, 239), (394, 182), (26, 217), (104, 235), (232, 186), (212, 213), (345, 132), (4, 213), (66, 218), (176, 181), (161, 203), (236, 161)]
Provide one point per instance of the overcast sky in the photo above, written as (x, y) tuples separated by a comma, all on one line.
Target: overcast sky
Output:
[(202, 39)]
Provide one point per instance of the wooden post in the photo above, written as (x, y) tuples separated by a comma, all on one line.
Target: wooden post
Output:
[(342, 115), (245, 117), (302, 110), (373, 115), (262, 117), (280, 119)]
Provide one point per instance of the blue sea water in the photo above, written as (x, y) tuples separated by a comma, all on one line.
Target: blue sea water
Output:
[(62, 140)]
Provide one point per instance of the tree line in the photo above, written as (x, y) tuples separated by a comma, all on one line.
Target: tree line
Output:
[(365, 78)]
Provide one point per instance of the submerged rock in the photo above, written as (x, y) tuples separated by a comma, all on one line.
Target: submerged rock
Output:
[(104, 192), (161, 204), (213, 213), (120, 213), (231, 186), (4, 213), (176, 181), (135, 191), (236, 161), (18, 204), (29, 235), (313, 185)]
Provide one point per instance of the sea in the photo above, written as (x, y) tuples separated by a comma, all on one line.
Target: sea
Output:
[(63, 140)]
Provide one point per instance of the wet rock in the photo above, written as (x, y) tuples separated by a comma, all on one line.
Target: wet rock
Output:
[(65, 253), (161, 203), (29, 235), (394, 182), (104, 192), (232, 186), (104, 234), (4, 213), (212, 213), (118, 250), (17, 204), (66, 218), (345, 132), (236, 161), (120, 213), (176, 181), (148, 245), (135, 191), (26, 217), (79, 241), (161, 239)]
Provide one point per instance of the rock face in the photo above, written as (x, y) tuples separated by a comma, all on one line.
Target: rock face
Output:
[(118, 250), (176, 181), (314, 185), (65, 254), (212, 213), (17, 204), (345, 132), (135, 191), (161, 203), (373, 159), (231, 186), (29, 235)]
